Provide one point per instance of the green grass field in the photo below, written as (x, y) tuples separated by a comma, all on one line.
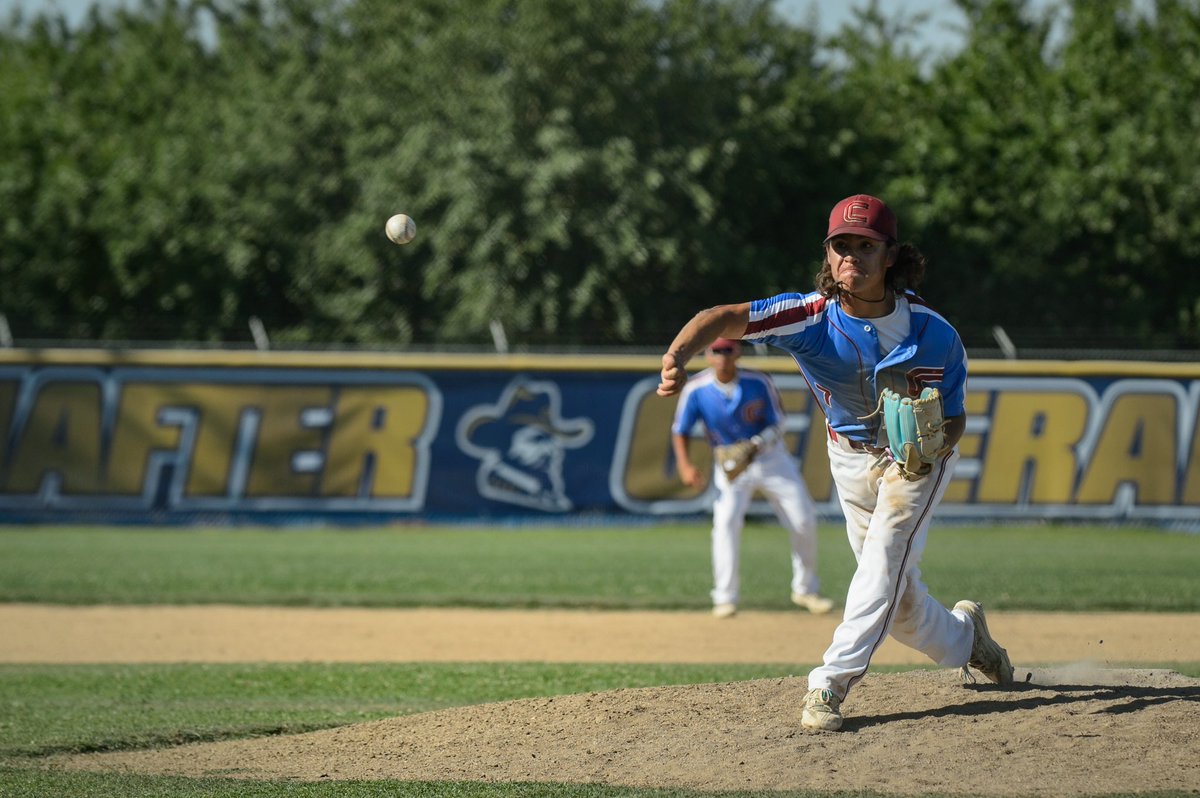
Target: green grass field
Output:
[(1028, 568), (47, 709)]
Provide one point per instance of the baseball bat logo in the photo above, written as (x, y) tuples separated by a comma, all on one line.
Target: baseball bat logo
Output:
[(521, 443)]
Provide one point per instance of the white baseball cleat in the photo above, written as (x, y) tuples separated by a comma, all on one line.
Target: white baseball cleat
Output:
[(724, 610), (986, 655), (821, 711), (813, 602)]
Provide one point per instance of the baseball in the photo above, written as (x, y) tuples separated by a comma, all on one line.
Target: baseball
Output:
[(400, 229)]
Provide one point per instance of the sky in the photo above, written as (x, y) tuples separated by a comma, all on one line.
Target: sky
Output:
[(937, 34)]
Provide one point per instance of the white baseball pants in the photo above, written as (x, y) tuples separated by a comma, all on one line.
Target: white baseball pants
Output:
[(887, 520), (774, 473)]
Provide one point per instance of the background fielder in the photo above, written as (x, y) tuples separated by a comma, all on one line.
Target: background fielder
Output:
[(735, 405), (863, 330)]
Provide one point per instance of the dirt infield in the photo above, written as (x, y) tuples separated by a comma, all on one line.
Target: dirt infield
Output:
[(1068, 732), (56, 634), (1086, 721)]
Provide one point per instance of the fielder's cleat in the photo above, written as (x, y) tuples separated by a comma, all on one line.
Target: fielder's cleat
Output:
[(821, 711), (813, 602), (986, 655), (724, 610)]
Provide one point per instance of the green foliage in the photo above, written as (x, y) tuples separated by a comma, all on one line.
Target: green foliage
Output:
[(586, 171), (1048, 176), (578, 157)]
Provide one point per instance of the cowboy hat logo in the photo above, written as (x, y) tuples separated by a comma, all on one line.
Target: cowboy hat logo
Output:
[(521, 443)]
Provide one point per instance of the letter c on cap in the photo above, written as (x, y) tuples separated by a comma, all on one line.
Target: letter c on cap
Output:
[(856, 212)]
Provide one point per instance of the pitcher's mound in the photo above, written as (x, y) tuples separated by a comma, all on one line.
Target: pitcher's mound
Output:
[(1067, 731)]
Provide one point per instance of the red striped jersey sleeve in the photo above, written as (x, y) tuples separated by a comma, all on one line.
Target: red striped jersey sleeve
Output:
[(786, 314)]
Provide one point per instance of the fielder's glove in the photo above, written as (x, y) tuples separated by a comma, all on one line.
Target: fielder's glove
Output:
[(916, 430), (734, 458)]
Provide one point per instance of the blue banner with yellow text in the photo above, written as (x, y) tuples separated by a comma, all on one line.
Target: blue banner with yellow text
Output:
[(276, 438)]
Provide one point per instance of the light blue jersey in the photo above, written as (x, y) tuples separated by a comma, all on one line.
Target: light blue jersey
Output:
[(840, 357), (752, 406)]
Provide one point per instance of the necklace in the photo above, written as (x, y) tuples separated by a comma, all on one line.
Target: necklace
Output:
[(842, 289)]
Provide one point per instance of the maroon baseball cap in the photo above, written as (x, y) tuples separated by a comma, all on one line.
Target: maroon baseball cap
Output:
[(862, 215)]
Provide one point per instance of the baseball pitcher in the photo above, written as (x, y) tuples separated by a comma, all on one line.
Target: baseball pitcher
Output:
[(890, 374)]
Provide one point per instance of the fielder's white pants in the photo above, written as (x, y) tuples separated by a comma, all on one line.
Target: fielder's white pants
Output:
[(774, 473), (887, 520)]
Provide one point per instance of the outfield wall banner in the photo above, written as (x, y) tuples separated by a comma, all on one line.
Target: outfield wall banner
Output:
[(351, 438)]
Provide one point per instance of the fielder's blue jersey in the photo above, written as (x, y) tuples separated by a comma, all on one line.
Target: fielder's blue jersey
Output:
[(840, 356), (752, 407)]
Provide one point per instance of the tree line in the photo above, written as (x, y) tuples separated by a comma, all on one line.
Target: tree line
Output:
[(587, 172)]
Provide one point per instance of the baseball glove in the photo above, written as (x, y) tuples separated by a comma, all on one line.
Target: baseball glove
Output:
[(916, 430), (736, 457)]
